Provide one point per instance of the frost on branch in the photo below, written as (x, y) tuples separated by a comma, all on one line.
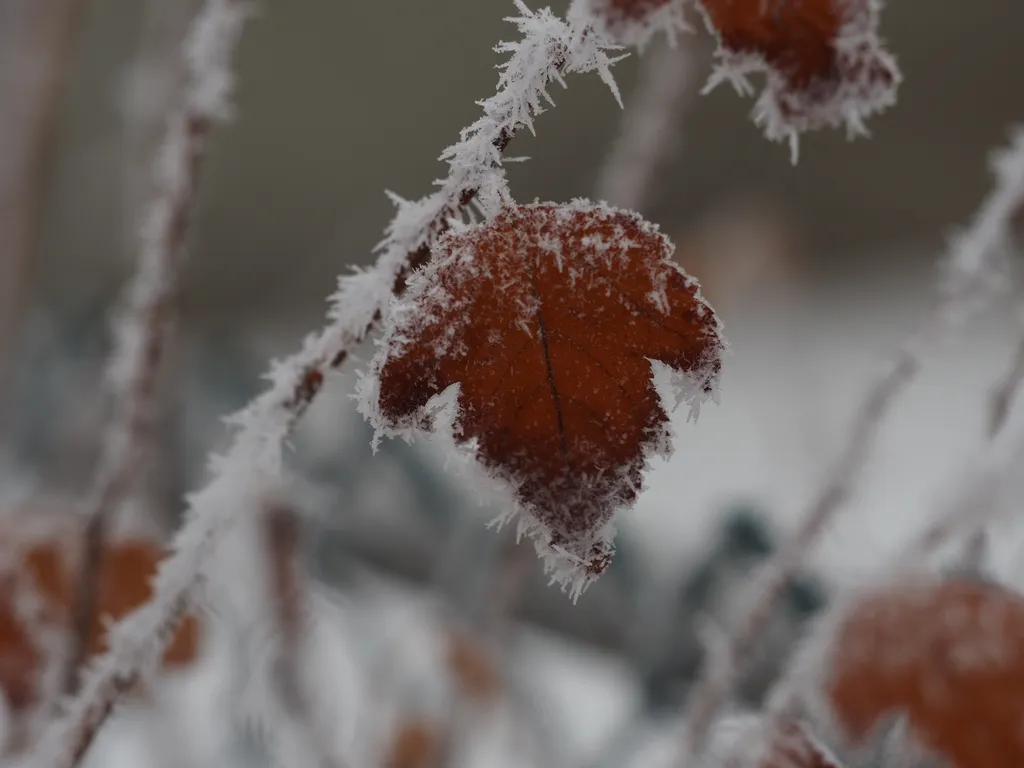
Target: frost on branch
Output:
[(636, 22), (823, 62), (750, 741), (550, 48), (921, 670), (547, 319)]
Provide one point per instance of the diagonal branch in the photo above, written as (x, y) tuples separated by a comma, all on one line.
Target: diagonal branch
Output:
[(282, 529), (550, 47), (972, 279), (145, 329)]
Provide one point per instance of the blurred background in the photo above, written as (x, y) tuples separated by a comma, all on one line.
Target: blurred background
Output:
[(440, 642)]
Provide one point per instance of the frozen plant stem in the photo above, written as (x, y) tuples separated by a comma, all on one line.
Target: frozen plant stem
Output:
[(716, 685), (282, 538), (973, 277), (143, 334), (1004, 392), (649, 129), (549, 48), (36, 43), (140, 351)]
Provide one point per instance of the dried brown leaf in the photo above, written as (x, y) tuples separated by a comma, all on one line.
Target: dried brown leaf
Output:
[(547, 318)]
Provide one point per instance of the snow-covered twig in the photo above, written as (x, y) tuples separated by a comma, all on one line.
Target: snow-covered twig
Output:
[(549, 48), (972, 277), (969, 511), (977, 500), (142, 334), (36, 44), (281, 534), (1005, 390)]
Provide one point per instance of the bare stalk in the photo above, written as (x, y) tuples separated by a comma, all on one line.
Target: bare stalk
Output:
[(282, 529), (649, 129), (972, 278), (36, 43), (144, 332), (975, 504), (1005, 391)]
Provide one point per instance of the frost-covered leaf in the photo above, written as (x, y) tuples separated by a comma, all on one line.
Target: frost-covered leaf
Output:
[(945, 658), (824, 64), (548, 319)]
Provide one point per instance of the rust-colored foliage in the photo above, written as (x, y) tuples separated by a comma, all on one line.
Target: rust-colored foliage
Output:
[(472, 668), (127, 568), (948, 655), (825, 63), (546, 318), (797, 37), (416, 745), (619, 13)]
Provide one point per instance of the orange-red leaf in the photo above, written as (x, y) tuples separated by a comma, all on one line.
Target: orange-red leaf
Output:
[(127, 568), (547, 318), (947, 656), (416, 745), (824, 63)]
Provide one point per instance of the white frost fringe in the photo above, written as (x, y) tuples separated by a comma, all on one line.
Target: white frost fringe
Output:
[(784, 113)]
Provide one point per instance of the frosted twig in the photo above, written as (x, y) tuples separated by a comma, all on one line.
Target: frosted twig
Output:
[(649, 130), (1004, 392), (549, 48), (999, 405), (282, 529), (972, 278), (976, 503), (143, 333), (715, 686), (36, 43)]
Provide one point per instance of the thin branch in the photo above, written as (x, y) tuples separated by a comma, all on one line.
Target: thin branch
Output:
[(549, 48), (144, 332), (972, 277), (33, 70), (715, 686), (650, 126), (975, 503), (976, 546), (282, 539), (1003, 394)]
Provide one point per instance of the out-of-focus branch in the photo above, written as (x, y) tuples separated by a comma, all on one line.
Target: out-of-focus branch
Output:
[(650, 125), (1005, 390), (36, 43), (151, 300), (143, 334), (716, 684), (975, 504), (282, 529), (972, 277)]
